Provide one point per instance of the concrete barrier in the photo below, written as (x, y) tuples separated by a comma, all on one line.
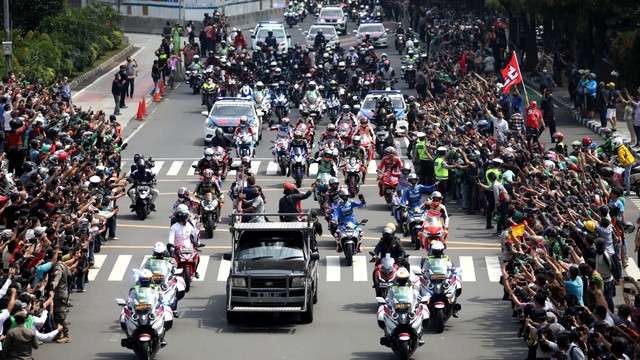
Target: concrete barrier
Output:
[(149, 25), (91, 75)]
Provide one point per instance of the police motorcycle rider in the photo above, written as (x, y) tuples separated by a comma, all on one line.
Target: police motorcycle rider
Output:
[(196, 65), (209, 84), (412, 197), (270, 40), (161, 261), (183, 233), (437, 252), (298, 142), (319, 42), (142, 175), (343, 213), (207, 185), (224, 49), (145, 289)]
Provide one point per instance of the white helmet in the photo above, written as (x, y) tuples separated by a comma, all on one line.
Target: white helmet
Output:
[(182, 208), (159, 247), (437, 246), (208, 152), (617, 142)]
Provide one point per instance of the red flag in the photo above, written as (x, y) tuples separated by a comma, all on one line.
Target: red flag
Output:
[(511, 74)]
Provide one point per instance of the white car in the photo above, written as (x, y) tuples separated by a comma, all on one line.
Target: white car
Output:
[(377, 32), (226, 113), (334, 16), (262, 30), (328, 31)]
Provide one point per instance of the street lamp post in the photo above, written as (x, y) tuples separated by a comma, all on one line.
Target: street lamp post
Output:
[(7, 46)]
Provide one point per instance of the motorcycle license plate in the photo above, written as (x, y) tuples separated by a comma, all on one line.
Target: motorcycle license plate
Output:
[(437, 276), (143, 307), (269, 294), (158, 277)]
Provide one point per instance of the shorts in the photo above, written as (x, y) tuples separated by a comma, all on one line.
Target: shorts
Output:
[(611, 113)]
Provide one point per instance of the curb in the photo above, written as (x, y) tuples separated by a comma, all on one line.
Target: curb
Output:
[(103, 68)]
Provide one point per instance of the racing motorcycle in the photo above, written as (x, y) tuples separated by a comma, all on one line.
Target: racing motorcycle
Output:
[(403, 317), (333, 107), (296, 95), (352, 171), (243, 144), (209, 212), (389, 184), (195, 79), (344, 132), (142, 203), (187, 257), (321, 189), (384, 273), (281, 103), (415, 219), (145, 320), (298, 164), (350, 235), (433, 230), (440, 290), (220, 154), (280, 155)]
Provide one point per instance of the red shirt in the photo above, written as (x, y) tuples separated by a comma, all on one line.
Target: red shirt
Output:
[(239, 41), (533, 118), (14, 138)]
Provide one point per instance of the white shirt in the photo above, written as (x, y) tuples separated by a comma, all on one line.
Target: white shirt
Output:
[(180, 235), (7, 119)]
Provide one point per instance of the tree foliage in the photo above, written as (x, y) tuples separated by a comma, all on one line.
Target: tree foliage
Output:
[(26, 15)]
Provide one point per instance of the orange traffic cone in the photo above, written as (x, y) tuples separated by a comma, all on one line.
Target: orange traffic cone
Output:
[(162, 87), (140, 113), (144, 105), (156, 95)]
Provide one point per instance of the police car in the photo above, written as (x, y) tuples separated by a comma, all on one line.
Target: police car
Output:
[(260, 32), (226, 113), (395, 96)]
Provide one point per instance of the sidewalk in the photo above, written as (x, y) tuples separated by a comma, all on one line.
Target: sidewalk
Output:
[(563, 99)]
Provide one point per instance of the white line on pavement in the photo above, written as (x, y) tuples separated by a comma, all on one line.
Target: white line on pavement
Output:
[(223, 271), (632, 270), (359, 268), (468, 272), (272, 168), (120, 268), (157, 167), (372, 168), (192, 170), (144, 260), (175, 168), (98, 261), (255, 165), (333, 268), (493, 268), (202, 267)]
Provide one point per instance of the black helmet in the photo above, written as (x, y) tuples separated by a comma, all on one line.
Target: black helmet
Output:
[(28, 166)]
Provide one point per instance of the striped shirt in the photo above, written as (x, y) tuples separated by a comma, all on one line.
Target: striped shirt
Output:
[(516, 122)]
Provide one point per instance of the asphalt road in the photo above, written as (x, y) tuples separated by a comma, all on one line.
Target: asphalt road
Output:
[(345, 325)]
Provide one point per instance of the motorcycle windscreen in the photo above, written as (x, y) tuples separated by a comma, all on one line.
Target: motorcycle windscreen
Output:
[(387, 265), (145, 300), (438, 266), (402, 297)]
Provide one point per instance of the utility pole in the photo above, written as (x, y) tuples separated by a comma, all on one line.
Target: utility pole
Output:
[(7, 45)]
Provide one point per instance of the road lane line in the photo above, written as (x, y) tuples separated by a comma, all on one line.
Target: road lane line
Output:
[(192, 171), (493, 268), (120, 268), (414, 263), (144, 260), (157, 167), (360, 268), (313, 169), (98, 261), (372, 168), (202, 267), (468, 272), (632, 270), (333, 268), (223, 271), (255, 166), (272, 168), (175, 168)]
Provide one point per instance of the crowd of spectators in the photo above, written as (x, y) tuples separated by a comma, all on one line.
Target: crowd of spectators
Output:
[(559, 209)]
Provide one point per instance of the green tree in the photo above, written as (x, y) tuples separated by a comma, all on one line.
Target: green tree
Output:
[(26, 15)]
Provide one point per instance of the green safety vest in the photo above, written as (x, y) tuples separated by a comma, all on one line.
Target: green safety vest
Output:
[(441, 172), (421, 149), (162, 56), (498, 176)]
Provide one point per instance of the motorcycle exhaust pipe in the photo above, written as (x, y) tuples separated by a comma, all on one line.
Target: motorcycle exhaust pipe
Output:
[(457, 307)]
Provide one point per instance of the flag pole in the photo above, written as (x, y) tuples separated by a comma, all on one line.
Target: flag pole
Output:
[(524, 87)]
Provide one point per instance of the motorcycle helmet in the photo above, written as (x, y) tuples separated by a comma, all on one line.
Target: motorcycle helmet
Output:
[(196, 58), (437, 249), (331, 128), (558, 136), (219, 131), (387, 234), (259, 85), (183, 193), (208, 153), (312, 85), (286, 122), (346, 108), (629, 227), (246, 161), (207, 174), (576, 144), (410, 52), (386, 64), (141, 165), (244, 120), (278, 71), (158, 250), (389, 151), (364, 121), (181, 207), (617, 142), (412, 178), (297, 135), (182, 215), (436, 198), (145, 278), (327, 155), (406, 168), (344, 194), (334, 182), (356, 140), (586, 141), (402, 276)]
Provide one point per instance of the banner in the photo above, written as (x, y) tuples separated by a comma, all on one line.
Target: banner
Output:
[(511, 73), (517, 230)]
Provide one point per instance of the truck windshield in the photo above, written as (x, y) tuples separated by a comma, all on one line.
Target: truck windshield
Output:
[(254, 246)]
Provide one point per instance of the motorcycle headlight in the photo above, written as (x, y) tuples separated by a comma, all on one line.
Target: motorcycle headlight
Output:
[(239, 282), (297, 281)]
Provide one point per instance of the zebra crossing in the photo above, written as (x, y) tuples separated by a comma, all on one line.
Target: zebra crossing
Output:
[(168, 168), (116, 268)]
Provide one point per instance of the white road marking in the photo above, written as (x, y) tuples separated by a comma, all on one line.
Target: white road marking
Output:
[(632, 270), (406, 141), (191, 170), (157, 167), (333, 268), (202, 267), (98, 260), (494, 270), (223, 271), (313, 169), (272, 168), (372, 168), (144, 260), (120, 268), (468, 272), (255, 165), (175, 168), (360, 268)]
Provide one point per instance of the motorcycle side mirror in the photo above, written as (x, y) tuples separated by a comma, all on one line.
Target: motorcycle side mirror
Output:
[(305, 32), (121, 302), (424, 300), (253, 36), (364, 221), (201, 245), (226, 256), (381, 301), (204, 113), (314, 256), (417, 272), (194, 166)]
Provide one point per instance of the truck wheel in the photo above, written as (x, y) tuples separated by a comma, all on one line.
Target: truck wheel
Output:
[(233, 317), (307, 316)]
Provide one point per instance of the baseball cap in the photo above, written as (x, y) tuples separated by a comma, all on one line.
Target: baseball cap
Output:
[(39, 230)]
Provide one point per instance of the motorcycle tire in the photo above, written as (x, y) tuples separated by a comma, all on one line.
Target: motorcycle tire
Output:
[(298, 175), (283, 168), (415, 239), (209, 106), (438, 320), (348, 253), (145, 351), (307, 316), (290, 25), (141, 211), (404, 350), (186, 274), (209, 225)]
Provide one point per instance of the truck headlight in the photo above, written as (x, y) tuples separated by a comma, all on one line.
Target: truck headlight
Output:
[(297, 281), (239, 282)]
